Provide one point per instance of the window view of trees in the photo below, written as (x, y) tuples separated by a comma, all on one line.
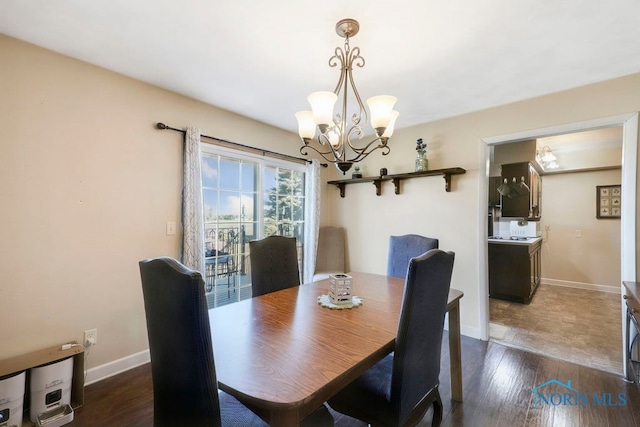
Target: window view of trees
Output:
[(283, 202), (234, 191)]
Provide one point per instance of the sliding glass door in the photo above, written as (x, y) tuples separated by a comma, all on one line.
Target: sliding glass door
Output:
[(246, 198)]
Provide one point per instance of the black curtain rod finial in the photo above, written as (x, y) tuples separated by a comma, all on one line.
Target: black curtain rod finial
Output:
[(161, 125)]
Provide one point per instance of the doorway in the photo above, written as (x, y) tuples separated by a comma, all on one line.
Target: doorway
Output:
[(629, 123)]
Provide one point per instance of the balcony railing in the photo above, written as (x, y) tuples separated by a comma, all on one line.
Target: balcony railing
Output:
[(227, 267)]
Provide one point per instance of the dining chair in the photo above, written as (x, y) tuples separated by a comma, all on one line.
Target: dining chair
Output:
[(398, 390), (185, 389), (330, 253), (274, 264), (403, 248)]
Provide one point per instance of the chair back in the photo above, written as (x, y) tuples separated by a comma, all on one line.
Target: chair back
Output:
[(403, 248), (416, 362), (274, 264), (330, 254), (185, 389)]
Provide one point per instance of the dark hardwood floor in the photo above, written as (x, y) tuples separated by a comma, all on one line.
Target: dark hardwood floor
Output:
[(498, 383)]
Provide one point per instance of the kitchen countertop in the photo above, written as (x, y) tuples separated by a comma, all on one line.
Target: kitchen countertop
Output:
[(506, 241)]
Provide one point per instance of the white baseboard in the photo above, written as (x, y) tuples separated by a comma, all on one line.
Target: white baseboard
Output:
[(116, 367), (581, 285), (467, 331), (470, 332)]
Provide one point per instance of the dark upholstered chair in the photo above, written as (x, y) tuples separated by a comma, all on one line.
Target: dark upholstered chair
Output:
[(274, 264), (398, 390), (185, 388), (403, 248), (330, 255)]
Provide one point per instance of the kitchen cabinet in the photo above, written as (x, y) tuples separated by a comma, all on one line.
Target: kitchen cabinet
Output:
[(520, 202), (494, 196), (514, 270)]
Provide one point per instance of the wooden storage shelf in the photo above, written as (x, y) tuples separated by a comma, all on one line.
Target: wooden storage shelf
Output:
[(397, 178), (24, 362)]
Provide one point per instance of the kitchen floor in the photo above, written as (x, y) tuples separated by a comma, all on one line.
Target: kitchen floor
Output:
[(576, 325)]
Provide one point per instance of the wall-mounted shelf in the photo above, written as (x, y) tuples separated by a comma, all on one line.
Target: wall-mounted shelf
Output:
[(397, 178)]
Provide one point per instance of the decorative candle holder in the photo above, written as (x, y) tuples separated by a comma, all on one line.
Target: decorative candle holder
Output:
[(340, 289)]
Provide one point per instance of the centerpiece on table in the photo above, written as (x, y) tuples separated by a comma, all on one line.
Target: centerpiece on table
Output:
[(340, 293), (340, 288)]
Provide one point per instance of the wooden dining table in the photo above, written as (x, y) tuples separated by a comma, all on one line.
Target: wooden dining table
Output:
[(283, 354)]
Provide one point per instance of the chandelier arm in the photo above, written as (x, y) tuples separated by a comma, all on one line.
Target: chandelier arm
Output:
[(354, 58), (357, 117), (338, 153), (363, 150), (304, 147), (354, 131), (323, 140), (322, 153), (361, 156), (338, 57)]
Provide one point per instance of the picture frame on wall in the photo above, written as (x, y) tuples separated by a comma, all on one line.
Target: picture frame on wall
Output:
[(608, 201)]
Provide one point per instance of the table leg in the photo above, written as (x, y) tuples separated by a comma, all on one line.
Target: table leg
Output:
[(455, 357), (627, 350)]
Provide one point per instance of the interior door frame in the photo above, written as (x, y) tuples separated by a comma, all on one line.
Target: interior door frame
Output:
[(629, 123)]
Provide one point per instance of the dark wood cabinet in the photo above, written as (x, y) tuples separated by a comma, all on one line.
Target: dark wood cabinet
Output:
[(514, 270), (494, 196), (523, 201)]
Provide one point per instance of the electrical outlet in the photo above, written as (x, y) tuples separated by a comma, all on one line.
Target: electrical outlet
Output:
[(90, 337)]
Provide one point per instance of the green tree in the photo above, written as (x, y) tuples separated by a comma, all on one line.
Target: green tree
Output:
[(284, 204)]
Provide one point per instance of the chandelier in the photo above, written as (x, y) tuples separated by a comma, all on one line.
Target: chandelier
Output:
[(546, 158), (336, 140)]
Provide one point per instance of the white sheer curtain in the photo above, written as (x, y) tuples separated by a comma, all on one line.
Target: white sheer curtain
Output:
[(312, 220), (192, 221)]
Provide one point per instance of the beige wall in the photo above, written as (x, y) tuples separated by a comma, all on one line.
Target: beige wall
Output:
[(425, 208), (569, 205), (86, 187)]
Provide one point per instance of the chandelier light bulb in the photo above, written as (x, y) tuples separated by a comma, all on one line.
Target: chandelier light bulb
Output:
[(306, 124), (389, 130), (380, 107), (549, 157), (334, 138), (322, 107), (552, 165)]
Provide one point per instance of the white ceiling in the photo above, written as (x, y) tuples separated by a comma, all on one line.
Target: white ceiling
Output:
[(261, 59)]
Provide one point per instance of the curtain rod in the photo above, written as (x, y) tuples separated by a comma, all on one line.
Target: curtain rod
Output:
[(162, 126)]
